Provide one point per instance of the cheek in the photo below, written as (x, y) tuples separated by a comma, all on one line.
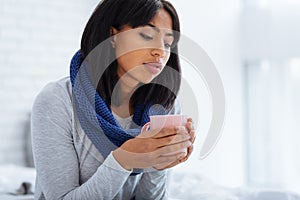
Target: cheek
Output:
[(129, 46), (167, 57), (131, 59), (125, 61)]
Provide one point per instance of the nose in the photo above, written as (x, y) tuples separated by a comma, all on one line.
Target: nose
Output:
[(158, 50)]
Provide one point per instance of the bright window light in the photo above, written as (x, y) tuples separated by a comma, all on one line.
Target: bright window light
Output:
[(294, 65)]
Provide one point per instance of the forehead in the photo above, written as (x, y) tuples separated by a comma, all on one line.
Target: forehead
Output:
[(162, 20)]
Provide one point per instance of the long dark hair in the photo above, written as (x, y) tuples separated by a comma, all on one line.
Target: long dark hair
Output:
[(135, 13)]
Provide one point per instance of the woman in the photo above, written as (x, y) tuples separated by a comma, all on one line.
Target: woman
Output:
[(86, 128)]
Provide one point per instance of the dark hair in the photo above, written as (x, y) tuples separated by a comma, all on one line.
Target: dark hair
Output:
[(135, 13)]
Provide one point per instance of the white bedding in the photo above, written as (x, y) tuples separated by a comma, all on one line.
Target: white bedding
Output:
[(11, 179), (186, 186), (182, 186)]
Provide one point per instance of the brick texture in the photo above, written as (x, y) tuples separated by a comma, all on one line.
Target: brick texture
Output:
[(37, 41)]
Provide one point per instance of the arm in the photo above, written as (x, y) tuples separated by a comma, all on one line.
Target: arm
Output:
[(56, 160), (153, 185)]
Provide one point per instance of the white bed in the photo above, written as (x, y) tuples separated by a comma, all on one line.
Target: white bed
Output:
[(186, 186), (182, 186), (11, 179)]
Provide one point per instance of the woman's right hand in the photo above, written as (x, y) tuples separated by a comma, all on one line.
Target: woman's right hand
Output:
[(149, 148)]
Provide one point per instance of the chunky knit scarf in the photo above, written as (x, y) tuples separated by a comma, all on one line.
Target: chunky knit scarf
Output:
[(95, 115)]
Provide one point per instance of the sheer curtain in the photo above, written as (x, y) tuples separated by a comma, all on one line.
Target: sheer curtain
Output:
[(273, 129), (272, 93)]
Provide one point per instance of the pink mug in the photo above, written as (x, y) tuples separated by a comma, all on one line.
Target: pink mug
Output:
[(161, 121)]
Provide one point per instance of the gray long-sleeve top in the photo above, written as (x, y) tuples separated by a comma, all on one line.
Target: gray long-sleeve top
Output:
[(69, 166)]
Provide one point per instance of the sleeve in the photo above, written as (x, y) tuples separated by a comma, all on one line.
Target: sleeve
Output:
[(55, 157), (153, 183)]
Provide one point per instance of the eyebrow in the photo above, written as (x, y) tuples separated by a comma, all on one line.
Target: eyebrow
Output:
[(158, 30)]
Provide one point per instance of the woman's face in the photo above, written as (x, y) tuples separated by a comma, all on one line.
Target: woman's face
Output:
[(143, 52)]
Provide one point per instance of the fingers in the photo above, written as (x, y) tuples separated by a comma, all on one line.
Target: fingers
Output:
[(169, 161), (169, 131), (172, 140), (190, 128), (192, 136), (189, 152), (181, 158), (161, 167), (163, 147), (158, 133), (173, 148), (163, 132)]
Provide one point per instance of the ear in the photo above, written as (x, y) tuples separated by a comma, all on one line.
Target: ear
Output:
[(113, 35)]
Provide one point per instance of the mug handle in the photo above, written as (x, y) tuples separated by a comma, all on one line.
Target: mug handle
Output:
[(146, 127)]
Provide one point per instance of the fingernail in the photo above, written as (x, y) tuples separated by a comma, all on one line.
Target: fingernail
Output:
[(181, 128), (186, 136)]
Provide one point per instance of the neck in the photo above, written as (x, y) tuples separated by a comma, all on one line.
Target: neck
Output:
[(126, 93), (127, 86), (125, 90)]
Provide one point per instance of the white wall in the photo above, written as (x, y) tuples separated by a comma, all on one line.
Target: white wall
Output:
[(215, 26), (271, 31), (37, 40)]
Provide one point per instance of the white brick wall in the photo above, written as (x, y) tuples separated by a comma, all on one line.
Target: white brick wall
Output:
[(37, 41)]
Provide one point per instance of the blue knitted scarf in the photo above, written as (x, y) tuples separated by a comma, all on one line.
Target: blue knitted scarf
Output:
[(95, 115)]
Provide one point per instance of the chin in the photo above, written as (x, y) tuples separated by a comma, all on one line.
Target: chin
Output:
[(147, 80)]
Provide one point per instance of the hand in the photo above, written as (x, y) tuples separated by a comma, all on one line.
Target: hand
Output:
[(191, 132), (148, 148)]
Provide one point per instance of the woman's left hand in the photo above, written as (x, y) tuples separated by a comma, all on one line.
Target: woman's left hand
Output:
[(191, 131)]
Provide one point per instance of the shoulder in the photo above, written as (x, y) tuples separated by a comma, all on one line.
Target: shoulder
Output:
[(55, 88), (55, 94), (58, 89)]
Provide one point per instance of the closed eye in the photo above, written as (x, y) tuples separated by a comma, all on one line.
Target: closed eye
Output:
[(146, 37)]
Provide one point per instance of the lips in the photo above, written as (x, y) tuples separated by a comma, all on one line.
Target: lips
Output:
[(153, 67)]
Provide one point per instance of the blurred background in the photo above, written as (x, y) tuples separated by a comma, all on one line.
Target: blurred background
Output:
[(254, 44)]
